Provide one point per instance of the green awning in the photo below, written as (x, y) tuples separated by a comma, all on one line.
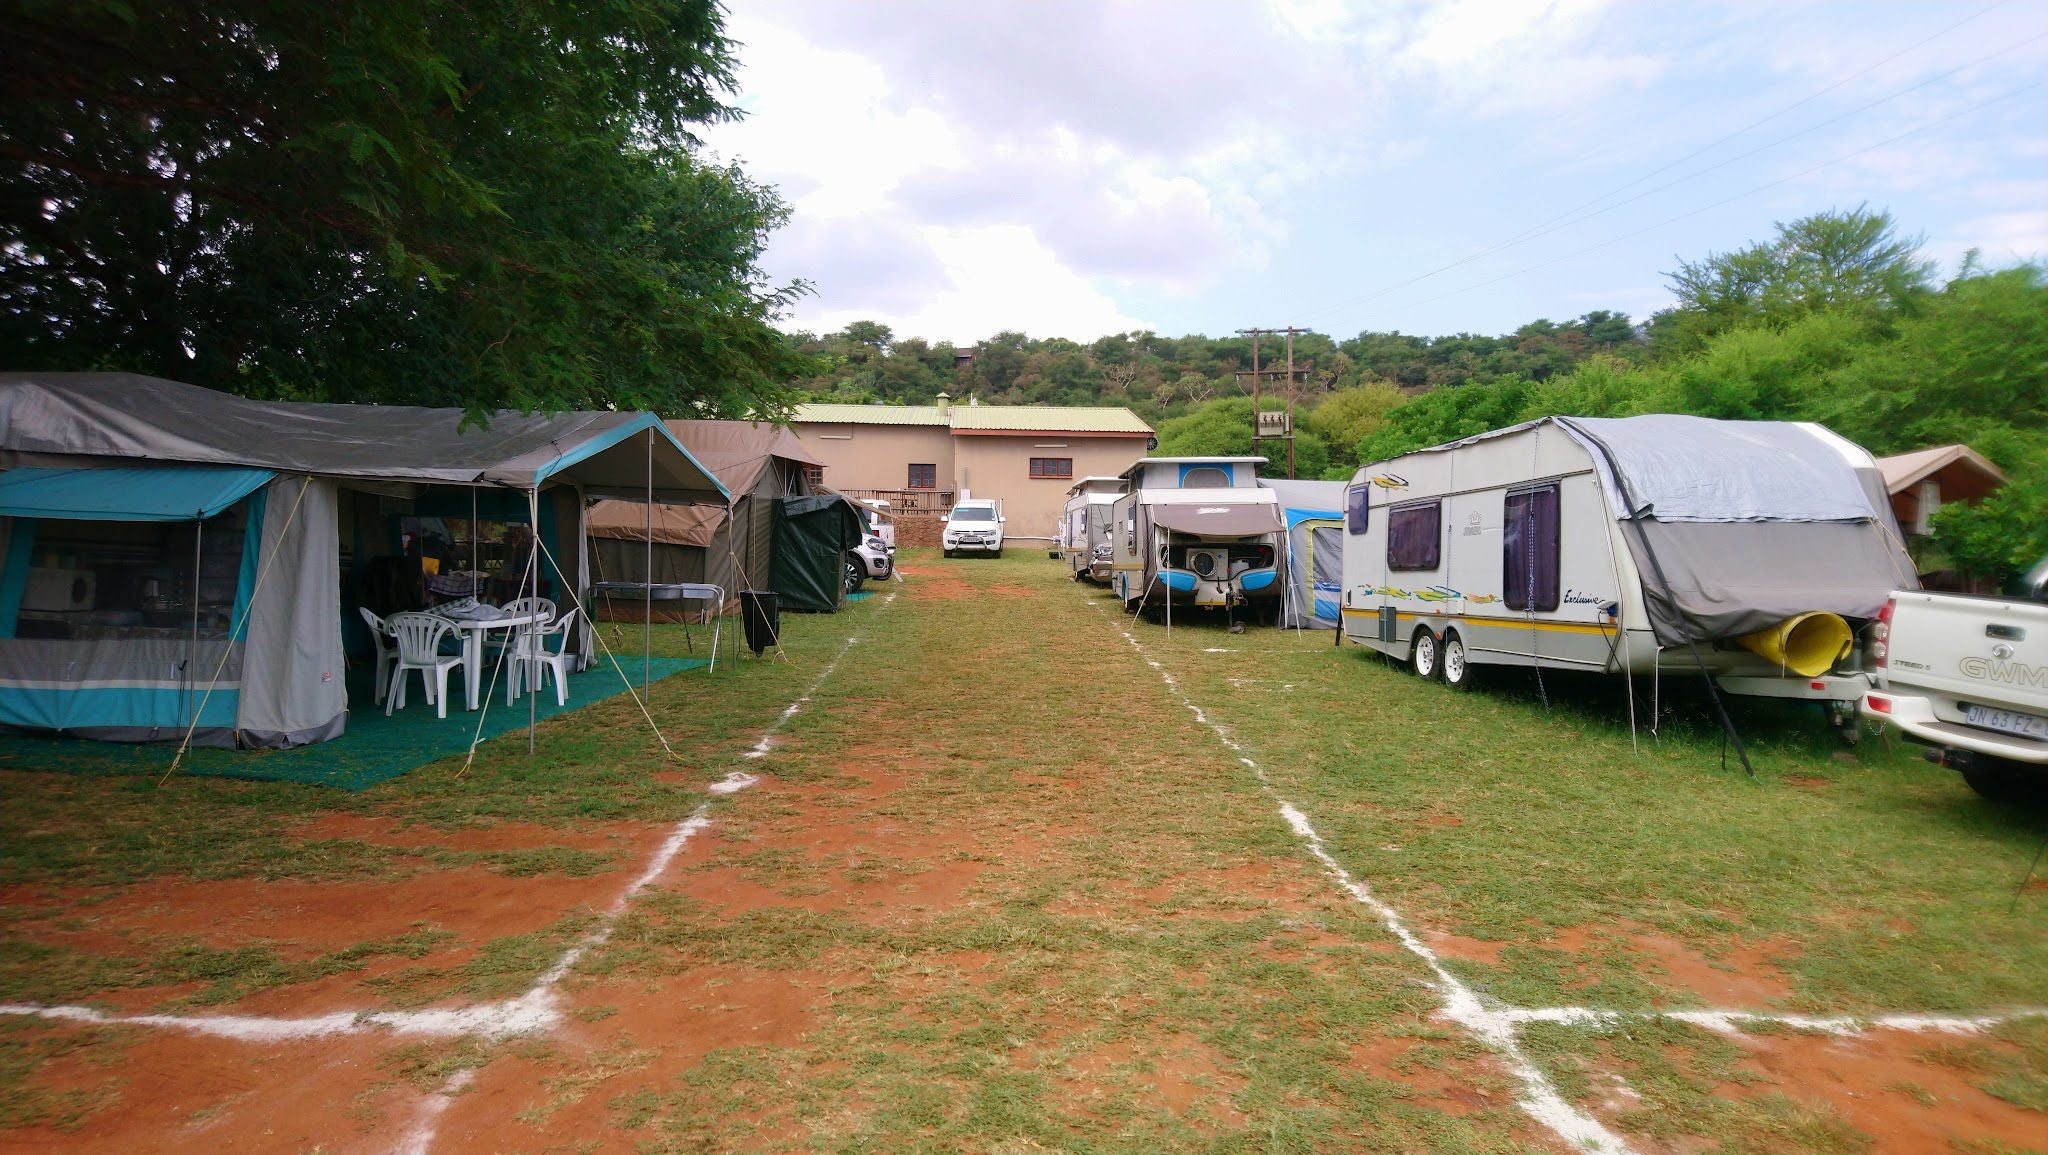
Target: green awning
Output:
[(144, 494)]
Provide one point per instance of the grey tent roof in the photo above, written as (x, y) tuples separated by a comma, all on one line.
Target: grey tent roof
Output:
[(83, 419)]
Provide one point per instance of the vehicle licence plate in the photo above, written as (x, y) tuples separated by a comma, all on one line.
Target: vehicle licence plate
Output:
[(2006, 721)]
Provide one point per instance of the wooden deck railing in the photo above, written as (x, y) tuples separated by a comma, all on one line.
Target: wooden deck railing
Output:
[(908, 502)]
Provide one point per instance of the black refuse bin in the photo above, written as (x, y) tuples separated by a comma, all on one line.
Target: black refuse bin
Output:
[(762, 617)]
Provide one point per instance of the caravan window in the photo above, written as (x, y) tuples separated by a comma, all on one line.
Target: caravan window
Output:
[(1529, 549), (1357, 509), (1413, 537)]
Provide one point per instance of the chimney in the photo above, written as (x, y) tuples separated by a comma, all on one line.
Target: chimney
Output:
[(945, 404)]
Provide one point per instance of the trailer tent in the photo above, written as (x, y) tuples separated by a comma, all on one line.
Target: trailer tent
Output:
[(174, 559), (728, 545), (1314, 561)]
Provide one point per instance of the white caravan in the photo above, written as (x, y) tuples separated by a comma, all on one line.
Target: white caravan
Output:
[(1084, 527), (1196, 532), (1749, 551)]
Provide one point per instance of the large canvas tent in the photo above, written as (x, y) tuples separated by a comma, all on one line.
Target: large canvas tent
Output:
[(729, 545), (175, 558), (1314, 513)]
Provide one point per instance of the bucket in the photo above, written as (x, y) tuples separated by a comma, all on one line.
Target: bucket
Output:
[(1807, 644)]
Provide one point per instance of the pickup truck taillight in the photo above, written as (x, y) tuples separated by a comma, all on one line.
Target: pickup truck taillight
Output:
[(1881, 634)]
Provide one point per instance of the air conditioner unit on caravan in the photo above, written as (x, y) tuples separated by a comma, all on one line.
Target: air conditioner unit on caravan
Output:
[(1209, 563)]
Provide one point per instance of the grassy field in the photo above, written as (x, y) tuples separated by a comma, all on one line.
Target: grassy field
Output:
[(998, 890)]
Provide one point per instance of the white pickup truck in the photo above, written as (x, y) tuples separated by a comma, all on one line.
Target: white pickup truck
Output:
[(1968, 676)]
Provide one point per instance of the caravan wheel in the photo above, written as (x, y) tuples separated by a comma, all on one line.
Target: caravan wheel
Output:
[(1422, 656), (1457, 670)]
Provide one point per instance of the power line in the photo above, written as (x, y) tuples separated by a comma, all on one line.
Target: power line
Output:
[(1545, 227), (1738, 196)]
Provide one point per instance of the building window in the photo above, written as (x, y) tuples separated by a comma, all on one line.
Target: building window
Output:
[(1052, 467), (1358, 510), (1529, 549), (923, 477), (1413, 537)]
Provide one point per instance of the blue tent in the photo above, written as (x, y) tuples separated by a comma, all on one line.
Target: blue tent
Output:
[(1314, 513)]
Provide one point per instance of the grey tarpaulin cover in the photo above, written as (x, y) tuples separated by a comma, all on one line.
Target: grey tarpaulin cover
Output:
[(1218, 518), (1749, 522), (1698, 469)]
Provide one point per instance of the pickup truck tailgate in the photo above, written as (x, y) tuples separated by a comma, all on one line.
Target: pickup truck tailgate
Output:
[(1977, 650)]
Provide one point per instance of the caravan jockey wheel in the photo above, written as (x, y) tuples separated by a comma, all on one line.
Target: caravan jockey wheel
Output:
[(1457, 670), (1422, 656)]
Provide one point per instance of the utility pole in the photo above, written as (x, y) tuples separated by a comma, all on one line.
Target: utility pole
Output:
[(1292, 380)]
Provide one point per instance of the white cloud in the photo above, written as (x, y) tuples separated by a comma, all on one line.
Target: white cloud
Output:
[(997, 277)]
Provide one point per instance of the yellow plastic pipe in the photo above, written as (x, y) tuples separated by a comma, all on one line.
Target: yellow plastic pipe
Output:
[(1807, 644)]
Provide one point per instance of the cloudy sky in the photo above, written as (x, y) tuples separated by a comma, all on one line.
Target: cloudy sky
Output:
[(1080, 167)]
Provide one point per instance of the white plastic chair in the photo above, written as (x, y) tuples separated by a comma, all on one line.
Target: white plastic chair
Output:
[(533, 654), (419, 638), (380, 636)]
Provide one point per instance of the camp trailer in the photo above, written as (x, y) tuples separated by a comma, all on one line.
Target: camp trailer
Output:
[(1748, 551), (1196, 533), (1085, 528)]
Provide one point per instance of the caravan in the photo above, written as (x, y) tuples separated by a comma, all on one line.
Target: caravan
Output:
[(1748, 551), (1197, 532), (1084, 527)]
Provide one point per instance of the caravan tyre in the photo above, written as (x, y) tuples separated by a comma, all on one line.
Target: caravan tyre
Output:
[(1457, 669), (1422, 655)]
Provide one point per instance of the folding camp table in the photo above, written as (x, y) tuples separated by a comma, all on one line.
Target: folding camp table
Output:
[(672, 592)]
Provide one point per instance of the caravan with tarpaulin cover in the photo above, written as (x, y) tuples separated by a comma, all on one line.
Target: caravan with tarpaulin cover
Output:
[(1753, 552)]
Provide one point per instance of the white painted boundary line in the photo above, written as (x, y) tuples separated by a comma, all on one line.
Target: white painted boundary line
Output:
[(532, 1012), (1498, 1025), (1461, 1004)]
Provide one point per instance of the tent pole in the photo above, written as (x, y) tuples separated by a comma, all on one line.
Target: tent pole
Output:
[(1165, 586), (473, 566), (647, 587), (533, 569), (192, 649)]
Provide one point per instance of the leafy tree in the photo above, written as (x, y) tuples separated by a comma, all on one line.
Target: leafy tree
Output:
[(1349, 416), (1843, 261), (482, 204)]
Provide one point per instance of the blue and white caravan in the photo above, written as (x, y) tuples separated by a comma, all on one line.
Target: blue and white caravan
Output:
[(1197, 533), (1085, 525)]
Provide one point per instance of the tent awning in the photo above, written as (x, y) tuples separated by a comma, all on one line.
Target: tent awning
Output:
[(1219, 519), (141, 494)]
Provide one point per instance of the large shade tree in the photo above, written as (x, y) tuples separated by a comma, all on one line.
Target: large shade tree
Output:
[(485, 203)]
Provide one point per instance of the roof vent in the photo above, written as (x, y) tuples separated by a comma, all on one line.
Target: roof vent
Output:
[(945, 403)]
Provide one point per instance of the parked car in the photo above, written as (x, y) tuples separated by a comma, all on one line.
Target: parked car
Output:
[(974, 526), (877, 557), (1968, 676)]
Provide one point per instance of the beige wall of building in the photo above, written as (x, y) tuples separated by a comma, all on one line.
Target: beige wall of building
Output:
[(878, 456), (999, 466)]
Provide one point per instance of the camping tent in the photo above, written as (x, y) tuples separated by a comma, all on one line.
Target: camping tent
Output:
[(172, 559), (812, 535), (1314, 513), (729, 546)]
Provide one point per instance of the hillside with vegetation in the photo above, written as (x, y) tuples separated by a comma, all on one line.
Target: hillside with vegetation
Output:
[(1836, 318)]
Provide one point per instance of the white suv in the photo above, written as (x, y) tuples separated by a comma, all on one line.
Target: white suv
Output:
[(974, 526)]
